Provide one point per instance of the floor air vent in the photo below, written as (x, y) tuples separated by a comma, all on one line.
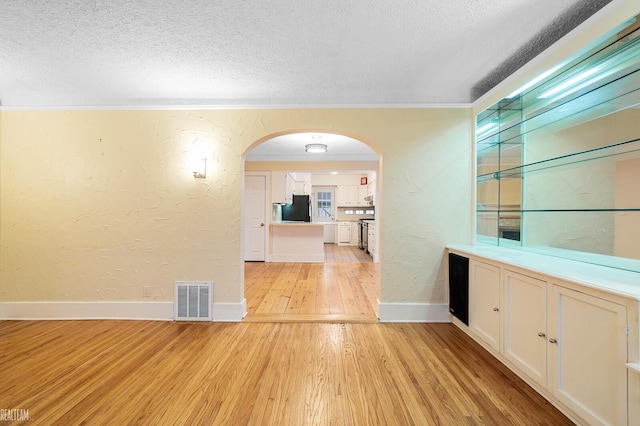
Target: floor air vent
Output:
[(192, 301)]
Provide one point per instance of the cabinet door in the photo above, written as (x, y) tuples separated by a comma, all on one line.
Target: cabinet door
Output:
[(587, 349), (344, 233), (352, 195), (371, 239), (484, 306), (362, 193), (341, 196), (289, 188), (525, 324), (355, 233), (278, 188)]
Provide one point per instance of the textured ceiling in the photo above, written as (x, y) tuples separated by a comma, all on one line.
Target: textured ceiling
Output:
[(149, 53)]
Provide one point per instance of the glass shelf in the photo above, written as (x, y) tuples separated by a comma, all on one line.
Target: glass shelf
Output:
[(623, 151), (558, 166), (610, 70)]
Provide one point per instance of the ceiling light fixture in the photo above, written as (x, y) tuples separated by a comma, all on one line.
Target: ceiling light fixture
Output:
[(315, 148)]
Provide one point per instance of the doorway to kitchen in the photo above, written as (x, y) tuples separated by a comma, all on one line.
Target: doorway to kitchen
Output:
[(340, 188)]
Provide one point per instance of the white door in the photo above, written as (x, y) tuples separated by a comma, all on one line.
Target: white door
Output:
[(255, 190), (324, 210)]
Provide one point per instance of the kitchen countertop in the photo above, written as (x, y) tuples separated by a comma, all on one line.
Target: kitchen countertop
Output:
[(297, 223)]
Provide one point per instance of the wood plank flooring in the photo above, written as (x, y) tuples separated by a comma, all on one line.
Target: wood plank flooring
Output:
[(171, 373), (311, 291), (335, 253)]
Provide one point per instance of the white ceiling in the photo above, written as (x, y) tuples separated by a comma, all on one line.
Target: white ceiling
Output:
[(152, 53), (292, 148)]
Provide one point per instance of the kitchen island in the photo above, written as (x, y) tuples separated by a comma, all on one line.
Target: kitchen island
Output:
[(297, 242)]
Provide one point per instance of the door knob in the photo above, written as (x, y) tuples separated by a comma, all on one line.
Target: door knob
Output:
[(541, 334), (495, 309), (552, 340), (262, 224)]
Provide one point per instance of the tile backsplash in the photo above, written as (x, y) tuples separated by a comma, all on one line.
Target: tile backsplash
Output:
[(355, 213)]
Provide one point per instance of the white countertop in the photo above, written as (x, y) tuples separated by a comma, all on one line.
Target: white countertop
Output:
[(612, 280), (295, 223)]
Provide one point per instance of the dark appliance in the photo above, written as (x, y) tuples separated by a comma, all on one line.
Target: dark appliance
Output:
[(459, 287), (364, 235), (299, 210), (361, 235)]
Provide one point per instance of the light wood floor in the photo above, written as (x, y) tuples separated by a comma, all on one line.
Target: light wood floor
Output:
[(169, 373), (311, 291), (336, 253)]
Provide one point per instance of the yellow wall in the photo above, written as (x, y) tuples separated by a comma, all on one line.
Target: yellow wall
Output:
[(97, 204)]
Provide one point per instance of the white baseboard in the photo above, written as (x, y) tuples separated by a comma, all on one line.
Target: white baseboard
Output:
[(296, 257), (229, 312), (413, 312), (159, 311)]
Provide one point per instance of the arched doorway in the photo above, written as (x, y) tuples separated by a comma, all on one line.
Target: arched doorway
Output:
[(341, 284)]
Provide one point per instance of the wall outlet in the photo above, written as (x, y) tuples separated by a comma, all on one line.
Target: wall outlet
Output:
[(146, 291)]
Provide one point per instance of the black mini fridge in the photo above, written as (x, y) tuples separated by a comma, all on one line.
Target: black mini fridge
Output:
[(299, 210), (459, 287)]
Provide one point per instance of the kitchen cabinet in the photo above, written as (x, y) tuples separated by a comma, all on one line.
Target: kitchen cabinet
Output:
[(525, 324), (371, 191), (371, 238), (301, 183), (285, 184), (289, 188), (281, 187), (484, 302), (347, 195), (568, 340), (351, 195), (355, 233), (348, 233), (344, 232), (362, 193)]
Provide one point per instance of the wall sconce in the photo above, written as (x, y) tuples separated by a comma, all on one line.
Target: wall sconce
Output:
[(200, 168), (199, 152)]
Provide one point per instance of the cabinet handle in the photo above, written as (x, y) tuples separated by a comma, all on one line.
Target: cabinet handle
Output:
[(495, 309), (541, 334), (552, 340)]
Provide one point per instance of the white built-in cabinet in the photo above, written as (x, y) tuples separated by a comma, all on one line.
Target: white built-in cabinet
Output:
[(525, 324), (286, 184), (587, 352), (371, 239), (301, 183), (344, 232), (355, 233), (348, 232), (567, 340), (351, 195), (484, 302)]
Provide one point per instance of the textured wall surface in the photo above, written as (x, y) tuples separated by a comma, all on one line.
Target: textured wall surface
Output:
[(97, 204)]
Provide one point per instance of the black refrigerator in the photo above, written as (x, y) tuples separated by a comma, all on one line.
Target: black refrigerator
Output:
[(299, 210)]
